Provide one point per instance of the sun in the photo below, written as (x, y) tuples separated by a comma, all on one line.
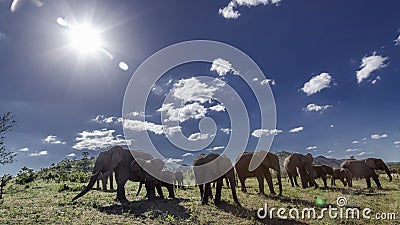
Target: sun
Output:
[(85, 38)]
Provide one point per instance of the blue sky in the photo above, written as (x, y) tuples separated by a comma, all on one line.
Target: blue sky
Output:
[(311, 50)]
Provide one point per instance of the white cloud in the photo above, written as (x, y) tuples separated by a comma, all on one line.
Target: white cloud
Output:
[(397, 41), (364, 139), (107, 120), (222, 67), (317, 83), (331, 126), (368, 65), (351, 150), (3, 36), (199, 136), (216, 148), (52, 139), (217, 108), (317, 108), (311, 147), (376, 80), (98, 140), (136, 114), (193, 89), (187, 154), (361, 153), (260, 132), (397, 143), (189, 111), (378, 136), (24, 149), (39, 153), (138, 125), (355, 142), (230, 12), (296, 129), (71, 155), (265, 81), (226, 130), (171, 160), (331, 151)]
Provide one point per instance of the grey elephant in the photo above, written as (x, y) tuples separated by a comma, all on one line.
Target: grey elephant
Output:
[(207, 169), (344, 175), (103, 177), (322, 172), (303, 165), (123, 163), (167, 180), (179, 179), (267, 161), (366, 169)]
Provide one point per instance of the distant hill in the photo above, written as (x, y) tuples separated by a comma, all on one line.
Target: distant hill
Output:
[(322, 160)]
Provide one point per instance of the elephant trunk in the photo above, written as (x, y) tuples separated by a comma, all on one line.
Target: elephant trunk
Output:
[(388, 173), (92, 181), (279, 182)]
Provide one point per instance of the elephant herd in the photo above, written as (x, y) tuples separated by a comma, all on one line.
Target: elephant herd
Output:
[(137, 166)]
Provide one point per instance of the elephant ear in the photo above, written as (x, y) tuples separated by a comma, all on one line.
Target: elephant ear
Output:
[(153, 166), (257, 160), (371, 162)]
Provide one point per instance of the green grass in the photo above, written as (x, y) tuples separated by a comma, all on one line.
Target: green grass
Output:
[(50, 203)]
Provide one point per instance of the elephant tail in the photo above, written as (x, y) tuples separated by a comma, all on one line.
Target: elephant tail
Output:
[(92, 181)]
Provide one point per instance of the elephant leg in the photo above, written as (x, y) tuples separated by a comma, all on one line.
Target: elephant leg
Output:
[(218, 191), (227, 182), (368, 180), (111, 181), (121, 190), (324, 179), (104, 183), (170, 188), (150, 188), (291, 180), (232, 182), (376, 180), (201, 188), (268, 178), (140, 188), (295, 181), (349, 181), (98, 184), (243, 184), (260, 180), (207, 193), (159, 190)]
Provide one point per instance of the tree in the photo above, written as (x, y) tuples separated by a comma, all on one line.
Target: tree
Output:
[(352, 157), (85, 155), (7, 122), (4, 179)]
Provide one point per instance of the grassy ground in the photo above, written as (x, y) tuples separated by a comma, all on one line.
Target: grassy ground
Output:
[(45, 203)]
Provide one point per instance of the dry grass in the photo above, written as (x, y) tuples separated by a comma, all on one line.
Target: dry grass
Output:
[(43, 203)]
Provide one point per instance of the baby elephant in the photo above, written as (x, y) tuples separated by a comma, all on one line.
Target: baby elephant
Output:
[(344, 175)]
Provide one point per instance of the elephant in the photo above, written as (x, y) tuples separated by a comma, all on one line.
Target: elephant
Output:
[(103, 178), (269, 161), (302, 163), (208, 166), (344, 175), (366, 169), (122, 162), (322, 171), (167, 178), (179, 179)]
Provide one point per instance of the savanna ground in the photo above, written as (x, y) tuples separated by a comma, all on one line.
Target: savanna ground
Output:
[(50, 203)]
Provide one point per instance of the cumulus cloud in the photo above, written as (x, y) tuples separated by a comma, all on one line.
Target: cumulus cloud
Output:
[(361, 153), (226, 130), (187, 154), (351, 150), (199, 136), (260, 132), (317, 108), (370, 64), (376, 80), (217, 108), (265, 81), (193, 89), (317, 83), (24, 149), (98, 140), (172, 160), (71, 155), (397, 142), (193, 110), (107, 120), (230, 12), (355, 142), (296, 129), (378, 136), (331, 126), (138, 125), (397, 41), (222, 67), (216, 148), (52, 139), (41, 153), (312, 148)]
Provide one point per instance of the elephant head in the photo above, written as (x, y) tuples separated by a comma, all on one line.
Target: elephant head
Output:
[(378, 164), (307, 161), (271, 161)]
